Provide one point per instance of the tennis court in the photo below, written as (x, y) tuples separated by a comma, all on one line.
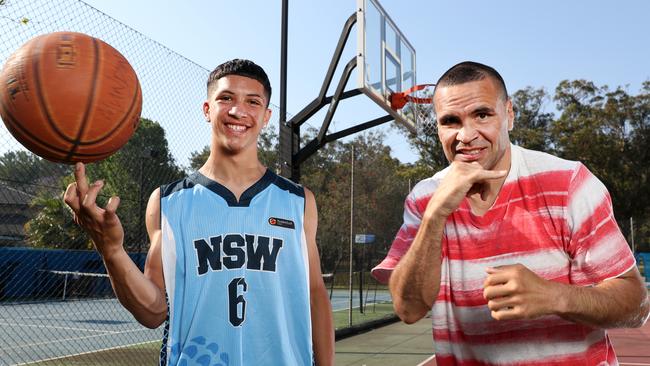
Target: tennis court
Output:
[(48, 330)]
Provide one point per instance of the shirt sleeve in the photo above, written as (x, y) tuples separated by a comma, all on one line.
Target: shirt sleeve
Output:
[(403, 239), (597, 248)]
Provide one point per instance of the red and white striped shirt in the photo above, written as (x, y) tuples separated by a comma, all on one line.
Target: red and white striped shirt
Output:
[(551, 215)]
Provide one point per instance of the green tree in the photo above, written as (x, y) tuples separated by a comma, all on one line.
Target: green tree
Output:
[(532, 124), (378, 196), (132, 173), (29, 173)]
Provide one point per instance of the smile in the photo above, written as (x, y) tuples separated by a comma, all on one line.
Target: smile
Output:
[(470, 154), (238, 128)]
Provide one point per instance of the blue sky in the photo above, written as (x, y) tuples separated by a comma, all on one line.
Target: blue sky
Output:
[(534, 44)]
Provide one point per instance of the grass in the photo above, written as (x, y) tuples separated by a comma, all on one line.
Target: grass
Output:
[(139, 354), (372, 312), (148, 353)]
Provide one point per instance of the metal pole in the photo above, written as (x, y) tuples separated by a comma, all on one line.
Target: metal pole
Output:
[(65, 285), (283, 62), (351, 233), (140, 213)]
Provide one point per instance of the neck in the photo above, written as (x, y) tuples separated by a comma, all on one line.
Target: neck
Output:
[(233, 169)]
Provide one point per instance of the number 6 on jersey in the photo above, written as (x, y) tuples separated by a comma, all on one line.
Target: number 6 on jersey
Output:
[(234, 300)]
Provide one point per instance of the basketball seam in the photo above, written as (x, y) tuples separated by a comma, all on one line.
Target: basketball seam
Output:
[(89, 102), (122, 121), (39, 93), (18, 126)]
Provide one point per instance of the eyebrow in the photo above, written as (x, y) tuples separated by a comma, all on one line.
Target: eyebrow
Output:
[(486, 110), (448, 118), (255, 95)]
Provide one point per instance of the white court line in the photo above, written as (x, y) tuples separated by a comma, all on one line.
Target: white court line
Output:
[(56, 327), (82, 353), (423, 363), (27, 345)]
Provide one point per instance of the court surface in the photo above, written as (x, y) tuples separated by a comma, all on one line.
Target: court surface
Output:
[(399, 344), (40, 331)]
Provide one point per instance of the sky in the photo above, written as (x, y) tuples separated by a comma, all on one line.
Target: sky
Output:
[(531, 43)]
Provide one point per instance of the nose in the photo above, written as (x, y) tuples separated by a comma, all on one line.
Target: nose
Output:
[(467, 133), (236, 111)]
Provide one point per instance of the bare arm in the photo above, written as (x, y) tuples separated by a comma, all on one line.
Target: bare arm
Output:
[(515, 292), (141, 294), (321, 310), (415, 282)]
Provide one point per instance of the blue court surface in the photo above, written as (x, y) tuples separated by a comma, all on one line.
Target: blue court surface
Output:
[(46, 330)]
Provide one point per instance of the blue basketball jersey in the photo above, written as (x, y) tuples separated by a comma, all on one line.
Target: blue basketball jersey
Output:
[(236, 274)]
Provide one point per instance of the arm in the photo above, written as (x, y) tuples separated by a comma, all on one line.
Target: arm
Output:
[(515, 292), (141, 294), (415, 282), (322, 325)]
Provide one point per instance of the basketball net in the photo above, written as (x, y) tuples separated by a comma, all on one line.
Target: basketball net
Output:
[(416, 104)]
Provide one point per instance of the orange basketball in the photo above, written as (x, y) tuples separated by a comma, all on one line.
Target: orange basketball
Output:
[(70, 97)]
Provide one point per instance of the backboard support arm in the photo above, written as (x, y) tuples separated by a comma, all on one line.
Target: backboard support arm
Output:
[(291, 154)]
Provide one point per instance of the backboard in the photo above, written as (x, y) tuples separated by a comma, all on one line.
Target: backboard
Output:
[(385, 58)]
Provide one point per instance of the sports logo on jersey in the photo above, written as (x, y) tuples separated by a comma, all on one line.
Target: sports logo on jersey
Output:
[(282, 223)]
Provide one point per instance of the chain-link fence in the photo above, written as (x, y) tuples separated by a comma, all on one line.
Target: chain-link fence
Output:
[(57, 306)]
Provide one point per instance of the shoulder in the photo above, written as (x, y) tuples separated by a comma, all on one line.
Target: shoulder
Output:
[(287, 185), (427, 186), (549, 171), (178, 185), (535, 162)]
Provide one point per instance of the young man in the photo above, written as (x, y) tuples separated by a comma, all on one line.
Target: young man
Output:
[(233, 266), (516, 252)]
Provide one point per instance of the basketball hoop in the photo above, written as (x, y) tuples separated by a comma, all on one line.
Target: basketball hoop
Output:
[(416, 104)]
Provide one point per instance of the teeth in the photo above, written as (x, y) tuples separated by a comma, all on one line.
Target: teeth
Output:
[(236, 127)]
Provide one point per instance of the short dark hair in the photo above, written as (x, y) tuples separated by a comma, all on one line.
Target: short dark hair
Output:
[(240, 67), (468, 71)]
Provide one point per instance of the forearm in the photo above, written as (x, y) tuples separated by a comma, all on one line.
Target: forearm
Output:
[(138, 294), (415, 282), (322, 327), (616, 303)]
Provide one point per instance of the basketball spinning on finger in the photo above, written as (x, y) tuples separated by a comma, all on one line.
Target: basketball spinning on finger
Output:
[(70, 97)]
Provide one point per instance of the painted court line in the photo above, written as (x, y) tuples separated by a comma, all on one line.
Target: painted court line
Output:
[(23, 325), (83, 353), (60, 340), (426, 362)]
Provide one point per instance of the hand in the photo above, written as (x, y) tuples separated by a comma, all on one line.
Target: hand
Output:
[(102, 225), (463, 179), (516, 292)]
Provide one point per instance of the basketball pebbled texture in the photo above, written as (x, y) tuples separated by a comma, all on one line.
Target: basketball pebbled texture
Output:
[(70, 97)]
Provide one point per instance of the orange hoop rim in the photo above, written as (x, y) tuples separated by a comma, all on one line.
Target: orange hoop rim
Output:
[(399, 99)]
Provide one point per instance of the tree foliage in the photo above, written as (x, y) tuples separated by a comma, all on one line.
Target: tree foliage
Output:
[(142, 165)]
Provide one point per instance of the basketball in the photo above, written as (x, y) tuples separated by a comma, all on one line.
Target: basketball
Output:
[(70, 97)]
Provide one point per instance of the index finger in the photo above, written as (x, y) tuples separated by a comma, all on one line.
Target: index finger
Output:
[(496, 278), (491, 174), (80, 178)]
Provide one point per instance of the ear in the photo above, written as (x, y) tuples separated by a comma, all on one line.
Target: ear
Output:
[(206, 111), (511, 114)]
